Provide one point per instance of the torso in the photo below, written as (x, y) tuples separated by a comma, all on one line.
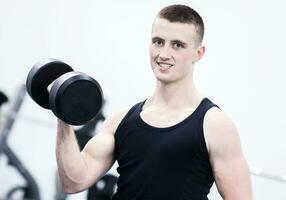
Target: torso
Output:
[(152, 141)]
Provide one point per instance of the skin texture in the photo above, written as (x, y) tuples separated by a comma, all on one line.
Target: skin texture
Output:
[(173, 54)]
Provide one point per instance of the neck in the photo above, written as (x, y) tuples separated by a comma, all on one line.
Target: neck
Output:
[(176, 95)]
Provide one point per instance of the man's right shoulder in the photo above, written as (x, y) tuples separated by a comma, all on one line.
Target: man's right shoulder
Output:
[(120, 114), (114, 119)]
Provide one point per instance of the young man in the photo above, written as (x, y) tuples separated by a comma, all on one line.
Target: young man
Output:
[(173, 145)]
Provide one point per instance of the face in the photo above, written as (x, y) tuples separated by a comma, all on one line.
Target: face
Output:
[(173, 50)]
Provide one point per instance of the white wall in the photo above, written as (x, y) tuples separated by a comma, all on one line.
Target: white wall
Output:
[(242, 71)]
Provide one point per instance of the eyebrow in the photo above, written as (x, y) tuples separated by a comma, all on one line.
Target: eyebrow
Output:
[(157, 38), (172, 41), (179, 41)]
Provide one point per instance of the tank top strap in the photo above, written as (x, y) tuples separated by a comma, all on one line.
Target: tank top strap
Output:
[(206, 105), (132, 114), (201, 112)]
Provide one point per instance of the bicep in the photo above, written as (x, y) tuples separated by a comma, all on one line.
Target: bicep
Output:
[(98, 156), (231, 175), (229, 166), (98, 153)]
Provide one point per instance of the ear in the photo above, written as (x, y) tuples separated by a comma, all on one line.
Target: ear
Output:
[(199, 53)]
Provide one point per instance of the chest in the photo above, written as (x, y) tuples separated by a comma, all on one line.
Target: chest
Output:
[(162, 118), (141, 142)]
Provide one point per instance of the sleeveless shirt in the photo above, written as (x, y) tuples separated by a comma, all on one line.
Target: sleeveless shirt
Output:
[(169, 163)]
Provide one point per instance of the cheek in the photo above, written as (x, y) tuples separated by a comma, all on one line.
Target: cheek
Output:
[(186, 58), (152, 56), (152, 51)]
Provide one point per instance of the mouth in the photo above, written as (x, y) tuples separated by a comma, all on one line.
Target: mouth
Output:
[(164, 66)]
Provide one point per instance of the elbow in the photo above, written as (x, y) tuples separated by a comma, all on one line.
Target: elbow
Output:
[(75, 184), (72, 187), (69, 190), (72, 190)]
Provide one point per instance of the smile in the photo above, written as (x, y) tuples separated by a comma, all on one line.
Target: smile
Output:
[(164, 65)]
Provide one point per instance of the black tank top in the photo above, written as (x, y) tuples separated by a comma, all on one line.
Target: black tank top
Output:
[(169, 163)]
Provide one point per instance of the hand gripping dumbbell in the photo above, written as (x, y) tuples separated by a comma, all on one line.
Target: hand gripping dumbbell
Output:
[(74, 97)]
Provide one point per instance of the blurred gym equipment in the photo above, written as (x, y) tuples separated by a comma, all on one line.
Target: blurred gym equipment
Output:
[(30, 190)]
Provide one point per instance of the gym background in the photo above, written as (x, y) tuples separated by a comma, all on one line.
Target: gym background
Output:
[(243, 71)]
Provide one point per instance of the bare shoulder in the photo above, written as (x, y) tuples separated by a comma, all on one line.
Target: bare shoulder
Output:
[(113, 120), (219, 130), (105, 135)]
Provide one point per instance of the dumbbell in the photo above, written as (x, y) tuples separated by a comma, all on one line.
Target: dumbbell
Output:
[(74, 97)]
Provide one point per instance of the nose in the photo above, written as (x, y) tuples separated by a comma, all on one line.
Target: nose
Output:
[(165, 54)]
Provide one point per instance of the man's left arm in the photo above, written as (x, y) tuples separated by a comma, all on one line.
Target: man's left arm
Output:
[(231, 173)]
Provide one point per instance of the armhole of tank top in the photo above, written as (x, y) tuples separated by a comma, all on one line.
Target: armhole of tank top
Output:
[(122, 122), (203, 138)]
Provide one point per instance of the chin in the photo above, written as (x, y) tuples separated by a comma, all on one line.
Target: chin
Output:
[(164, 80)]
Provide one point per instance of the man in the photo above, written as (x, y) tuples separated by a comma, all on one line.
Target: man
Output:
[(173, 145)]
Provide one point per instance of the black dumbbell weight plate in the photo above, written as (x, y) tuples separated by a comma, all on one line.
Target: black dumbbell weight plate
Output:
[(76, 98), (41, 76)]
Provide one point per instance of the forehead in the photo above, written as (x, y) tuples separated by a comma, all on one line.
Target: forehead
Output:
[(173, 30)]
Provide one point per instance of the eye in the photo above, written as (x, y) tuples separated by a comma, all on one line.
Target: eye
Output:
[(178, 45), (158, 43)]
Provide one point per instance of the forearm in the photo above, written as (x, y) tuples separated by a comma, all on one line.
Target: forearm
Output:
[(71, 165)]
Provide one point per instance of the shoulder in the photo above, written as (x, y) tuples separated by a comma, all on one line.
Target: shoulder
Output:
[(219, 130), (113, 120), (216, 119)]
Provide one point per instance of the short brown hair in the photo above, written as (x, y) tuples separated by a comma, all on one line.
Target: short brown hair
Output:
[(184, 14)]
